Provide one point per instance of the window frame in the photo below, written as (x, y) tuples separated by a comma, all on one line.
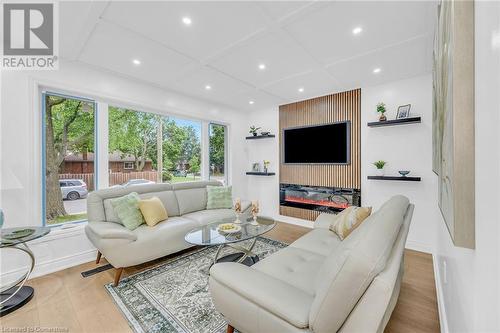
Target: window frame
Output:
[(101, 101), (226, 150), (42, 96)]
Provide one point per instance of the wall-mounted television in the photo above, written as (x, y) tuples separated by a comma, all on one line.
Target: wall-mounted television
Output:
[(319, 144)]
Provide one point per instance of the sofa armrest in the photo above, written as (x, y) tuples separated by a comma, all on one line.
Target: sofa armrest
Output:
[(110, 230), (273, 295), (324, 220)]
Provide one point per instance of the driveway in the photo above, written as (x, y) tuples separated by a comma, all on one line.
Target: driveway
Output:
[(75, 206)]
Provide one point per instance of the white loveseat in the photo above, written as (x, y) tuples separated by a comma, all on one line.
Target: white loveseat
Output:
[(319, 283), (186, 205)]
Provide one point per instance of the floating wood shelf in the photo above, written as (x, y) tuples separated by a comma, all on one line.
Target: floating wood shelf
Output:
[(400, 178), (260, 137), (261, 173), (402, 121)]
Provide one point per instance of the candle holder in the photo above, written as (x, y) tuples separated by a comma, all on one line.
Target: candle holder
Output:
[(255, 211), (254, 220), (237, 221)]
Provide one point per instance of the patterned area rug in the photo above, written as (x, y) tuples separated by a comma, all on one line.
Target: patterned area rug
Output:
[(174, 296)]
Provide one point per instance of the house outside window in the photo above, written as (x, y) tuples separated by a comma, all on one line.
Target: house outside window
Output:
[(128, 165)]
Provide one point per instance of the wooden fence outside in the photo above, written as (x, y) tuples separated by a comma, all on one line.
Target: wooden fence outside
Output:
[(115, 178)]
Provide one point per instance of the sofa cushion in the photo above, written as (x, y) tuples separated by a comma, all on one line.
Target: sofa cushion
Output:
[(219, 197), (348, 220), (296, 267), (127, 210), (100, 208), (203, 217), (320, 241), (154, 242), (167, 198), (351, 267), (153, 211), (192, 197)]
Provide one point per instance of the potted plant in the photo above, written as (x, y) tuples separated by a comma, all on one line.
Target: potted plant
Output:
[(381, 109), (380, 167), (253, 130), (266, 166)]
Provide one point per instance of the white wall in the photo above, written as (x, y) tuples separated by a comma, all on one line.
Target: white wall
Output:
[(405, 147), (20, 145), (469, 279)]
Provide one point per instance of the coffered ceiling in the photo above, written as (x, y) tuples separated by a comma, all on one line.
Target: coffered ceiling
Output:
[(251, 55)]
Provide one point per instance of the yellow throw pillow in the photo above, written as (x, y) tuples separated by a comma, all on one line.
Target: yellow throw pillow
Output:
[(153, 211), (348, 220)]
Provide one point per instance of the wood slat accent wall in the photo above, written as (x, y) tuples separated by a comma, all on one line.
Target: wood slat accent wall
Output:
[(305, 214), (316, 111)]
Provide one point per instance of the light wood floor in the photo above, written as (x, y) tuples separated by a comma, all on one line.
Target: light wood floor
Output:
[(66, 300)]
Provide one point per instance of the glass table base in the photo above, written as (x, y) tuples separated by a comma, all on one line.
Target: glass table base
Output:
[(235, 257), (21, 297)]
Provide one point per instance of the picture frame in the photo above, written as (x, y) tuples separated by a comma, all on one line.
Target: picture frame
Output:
[(403, 111), (256, 167)]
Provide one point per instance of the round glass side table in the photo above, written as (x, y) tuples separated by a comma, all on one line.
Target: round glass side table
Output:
[(15, 294)]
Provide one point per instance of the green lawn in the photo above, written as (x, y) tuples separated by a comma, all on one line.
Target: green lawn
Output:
[(67, 218), (184, 179)]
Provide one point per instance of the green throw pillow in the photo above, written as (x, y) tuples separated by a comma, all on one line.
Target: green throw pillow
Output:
[(127, 210), (219, 197)]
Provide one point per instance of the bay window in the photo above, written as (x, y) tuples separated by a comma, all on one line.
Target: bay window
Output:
[(142, 148)]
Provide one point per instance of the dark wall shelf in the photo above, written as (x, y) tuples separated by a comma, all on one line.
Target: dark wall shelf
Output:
[(261, 173), (405, 179), (402, 121), (260, 137)]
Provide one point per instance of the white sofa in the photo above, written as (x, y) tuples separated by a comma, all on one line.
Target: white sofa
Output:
[(319, 283), (186, 205)]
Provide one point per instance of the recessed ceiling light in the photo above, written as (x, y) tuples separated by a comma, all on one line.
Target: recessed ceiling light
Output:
[(376, 70), (262, 66), (357, 30), (251, 102), (208, 87), (186, 20), (301, 89), (136, 62)]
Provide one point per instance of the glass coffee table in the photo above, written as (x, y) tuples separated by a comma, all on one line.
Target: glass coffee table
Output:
[(15, 294), (209, 235)]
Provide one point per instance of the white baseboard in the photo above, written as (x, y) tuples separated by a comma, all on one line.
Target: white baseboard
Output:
[(443, 319), (294, 221), (51, 266), (417, 246)]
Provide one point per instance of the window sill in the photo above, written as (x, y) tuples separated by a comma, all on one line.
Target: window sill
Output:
[(63, 231)]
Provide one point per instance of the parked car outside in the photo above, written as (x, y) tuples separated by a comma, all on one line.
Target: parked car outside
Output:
[(133, 182), (180, 173), (73, 189)]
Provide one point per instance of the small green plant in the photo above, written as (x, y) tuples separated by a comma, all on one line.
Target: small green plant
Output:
[(381, 108), (253, 130), (380, 164)]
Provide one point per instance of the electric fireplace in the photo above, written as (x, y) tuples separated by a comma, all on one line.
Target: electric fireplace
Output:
[(323, 199)]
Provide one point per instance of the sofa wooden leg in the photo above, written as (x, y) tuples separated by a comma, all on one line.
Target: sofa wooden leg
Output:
[(118, 273), (230, 329), (99, 254)]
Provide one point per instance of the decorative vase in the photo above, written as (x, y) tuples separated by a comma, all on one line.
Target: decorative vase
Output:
[(254, 133), (380, 172), (382, 117)]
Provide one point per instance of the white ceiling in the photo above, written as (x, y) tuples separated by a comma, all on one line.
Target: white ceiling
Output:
[(307, 45)]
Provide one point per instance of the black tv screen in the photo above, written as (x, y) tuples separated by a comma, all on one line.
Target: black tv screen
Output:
[(323, 144)]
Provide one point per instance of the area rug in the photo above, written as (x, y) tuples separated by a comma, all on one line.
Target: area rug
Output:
[(174, 296)]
